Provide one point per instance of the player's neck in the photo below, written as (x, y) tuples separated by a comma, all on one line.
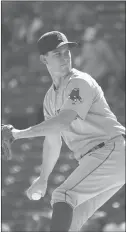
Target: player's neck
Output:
[(57, 78)]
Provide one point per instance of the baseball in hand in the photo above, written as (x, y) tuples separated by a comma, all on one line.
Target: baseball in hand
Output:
[(36, 196)]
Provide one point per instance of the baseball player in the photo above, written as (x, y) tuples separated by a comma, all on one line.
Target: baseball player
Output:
[(76, 111)]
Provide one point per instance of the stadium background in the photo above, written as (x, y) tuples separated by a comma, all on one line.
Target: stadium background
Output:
[(24, 83)]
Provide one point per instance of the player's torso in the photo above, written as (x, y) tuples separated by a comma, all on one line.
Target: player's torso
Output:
[(99, 125)]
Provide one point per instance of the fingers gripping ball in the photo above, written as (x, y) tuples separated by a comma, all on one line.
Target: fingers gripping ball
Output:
[(6, 140), (36, 196)]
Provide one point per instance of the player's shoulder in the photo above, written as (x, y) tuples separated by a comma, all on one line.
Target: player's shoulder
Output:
[(83, 78)]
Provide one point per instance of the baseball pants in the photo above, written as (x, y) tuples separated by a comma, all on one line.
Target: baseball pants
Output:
[(98, 177)]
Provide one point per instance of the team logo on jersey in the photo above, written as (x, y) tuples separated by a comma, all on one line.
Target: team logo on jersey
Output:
[(74, 96)]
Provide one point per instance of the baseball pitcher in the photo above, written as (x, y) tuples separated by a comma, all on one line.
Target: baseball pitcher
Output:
[(76, 111)]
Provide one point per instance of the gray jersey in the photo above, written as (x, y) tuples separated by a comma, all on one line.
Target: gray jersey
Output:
[(95, 121)]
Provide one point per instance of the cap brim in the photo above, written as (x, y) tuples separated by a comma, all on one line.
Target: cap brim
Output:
[(71, 44)]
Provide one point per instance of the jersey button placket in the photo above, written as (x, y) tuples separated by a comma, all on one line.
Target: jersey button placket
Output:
[(57, 99)]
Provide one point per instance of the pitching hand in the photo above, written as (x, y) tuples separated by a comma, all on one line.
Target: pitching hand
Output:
[(38, 186)]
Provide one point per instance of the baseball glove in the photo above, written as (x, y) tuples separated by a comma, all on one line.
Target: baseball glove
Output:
[(6, 140)]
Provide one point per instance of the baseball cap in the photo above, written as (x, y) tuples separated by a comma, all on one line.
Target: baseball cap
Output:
[(52, 40)]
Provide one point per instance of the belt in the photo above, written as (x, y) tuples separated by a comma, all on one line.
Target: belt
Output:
[(100, 145), (97, 147)]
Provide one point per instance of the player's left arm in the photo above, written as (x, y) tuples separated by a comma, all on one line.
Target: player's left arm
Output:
[(78, 100), (51, 126)]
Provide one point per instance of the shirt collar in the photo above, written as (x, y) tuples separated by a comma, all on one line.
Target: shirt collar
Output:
[(64, 80)]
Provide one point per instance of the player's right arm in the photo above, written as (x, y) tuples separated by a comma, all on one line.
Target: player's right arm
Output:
[(51, 147), (51, 152)]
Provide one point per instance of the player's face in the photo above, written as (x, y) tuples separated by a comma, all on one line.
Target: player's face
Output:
[(59, 60)]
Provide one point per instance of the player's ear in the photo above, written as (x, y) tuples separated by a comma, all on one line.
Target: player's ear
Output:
[(43, 59)]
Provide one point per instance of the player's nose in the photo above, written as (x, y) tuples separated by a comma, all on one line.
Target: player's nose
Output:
[(64, 57)]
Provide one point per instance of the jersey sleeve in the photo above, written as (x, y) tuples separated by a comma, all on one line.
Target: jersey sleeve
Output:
[(79, 96), (46, 110), (46, 113)]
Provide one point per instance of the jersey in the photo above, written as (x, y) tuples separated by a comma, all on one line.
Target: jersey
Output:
[(95, 122)]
